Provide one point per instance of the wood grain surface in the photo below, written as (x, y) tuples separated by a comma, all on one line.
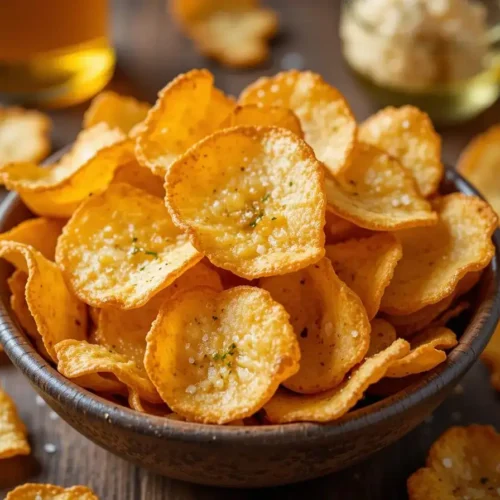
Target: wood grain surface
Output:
[(150, 53)]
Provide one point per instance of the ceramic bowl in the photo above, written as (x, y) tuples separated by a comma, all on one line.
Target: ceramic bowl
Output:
[(251, 456)]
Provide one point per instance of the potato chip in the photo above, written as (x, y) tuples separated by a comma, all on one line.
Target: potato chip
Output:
[(24, 135), (330, 323), (435, 259), (264, 116), (40, 233), (117, 111), (79, 359), (138, 404), (409, 324), (479, 162), (120, 248), (327, 121), (427, 352), (491, 358), (13, 435), (32, 491), (28, 177), (383, 334), (217, 357), (285, 406), (366, 266), (462, 463), (57, 313), (407, 134), (105, 384), (233, 33), (94, 177), (140, 177), (338, 230), (251, 199), (17, 286), (188, 109), (376, 192)]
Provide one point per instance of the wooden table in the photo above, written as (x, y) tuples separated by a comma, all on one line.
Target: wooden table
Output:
[(150, 53)]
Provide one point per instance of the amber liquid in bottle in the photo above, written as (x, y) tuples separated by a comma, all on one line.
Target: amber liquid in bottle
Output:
[(54, 52)]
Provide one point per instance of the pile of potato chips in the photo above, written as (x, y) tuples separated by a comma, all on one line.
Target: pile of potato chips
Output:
[(260, 260)]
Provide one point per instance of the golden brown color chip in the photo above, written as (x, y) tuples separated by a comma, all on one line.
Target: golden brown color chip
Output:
[(81, 359), (383, 334), (330, 323), (32, 491), (479, 163), (58, 314), (121, 247), (188, 109), (138, 404), (427, 352), (285, 406), (24, 135), (13, 436), (40, 233), (251, 200), (263, 116), (408, 134), (140, 177), (338, 229), (217, 357), (117, 111), (376, 192), (435, 259), (327, 121), (491, 357), (462, 463), (235, 33), (367, 266)]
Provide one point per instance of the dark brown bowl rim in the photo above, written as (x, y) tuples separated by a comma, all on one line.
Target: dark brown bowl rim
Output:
[(50, 382)]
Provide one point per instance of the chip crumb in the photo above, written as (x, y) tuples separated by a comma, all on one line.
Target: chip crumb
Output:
[(40, 401), (53, 415), (49, 448)]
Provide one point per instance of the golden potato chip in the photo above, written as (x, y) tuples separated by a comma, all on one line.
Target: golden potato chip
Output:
[(285, 406), (366, 266), (383, 334), (32, 491), (28, 177), (188, 109), (217, 357), (435, 259), (121, 247), (491, 358), (479, 162), (78, 358), (138, 404), (408, 134), (376, 192), (251, 199), (117, 111), (13, 435), (40, 233), (140, 177), (124, 331), (57, 313), (327, 121), (338, 230), (234, 33), (462, 463), (427, 352), (24, 135), (330, 323), (17, 286), (264, 116), (94, 177)]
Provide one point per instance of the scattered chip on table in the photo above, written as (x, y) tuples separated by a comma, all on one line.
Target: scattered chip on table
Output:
[(32, 491), (13, 435)]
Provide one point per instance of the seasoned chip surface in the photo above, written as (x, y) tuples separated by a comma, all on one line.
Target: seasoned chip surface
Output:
[(32, 491), (13, 435), (436, 258), (462, 463), (408, 134), (327, 121), (121, 247), (330, 323), (216, 357), (252, 200), (376, 192)]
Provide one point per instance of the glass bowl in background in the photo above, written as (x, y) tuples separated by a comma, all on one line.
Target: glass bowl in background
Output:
[(442, 56)]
